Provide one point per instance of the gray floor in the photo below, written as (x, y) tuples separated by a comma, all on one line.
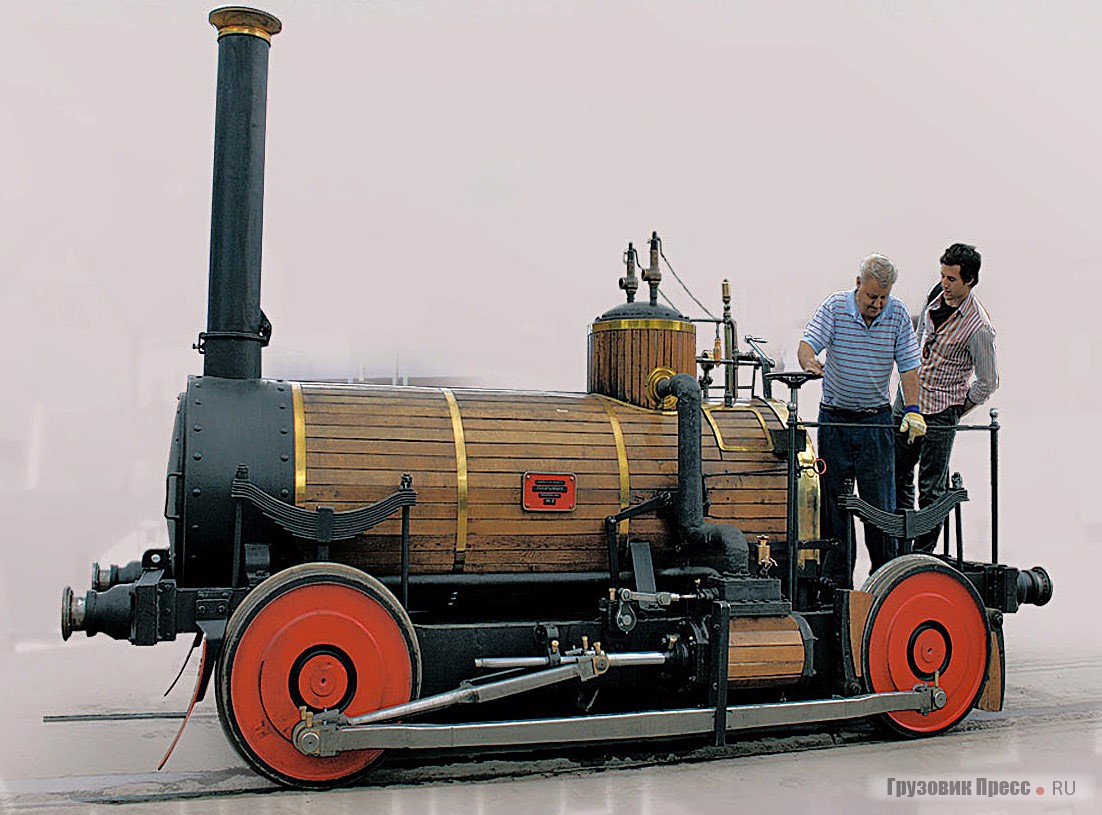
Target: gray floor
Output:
[(1051, 731)]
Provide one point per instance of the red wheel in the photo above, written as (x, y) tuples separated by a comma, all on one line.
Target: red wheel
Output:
[(325, 636), (926, 620)]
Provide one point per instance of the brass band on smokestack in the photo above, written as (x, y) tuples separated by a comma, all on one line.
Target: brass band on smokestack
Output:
[(236, 327)]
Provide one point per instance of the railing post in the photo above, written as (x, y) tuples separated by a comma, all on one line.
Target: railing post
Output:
[(994, 485), (406, 484), (792, 523)]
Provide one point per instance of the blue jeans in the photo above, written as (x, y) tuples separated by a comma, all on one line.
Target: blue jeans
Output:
[(931, 454), (866, 455)]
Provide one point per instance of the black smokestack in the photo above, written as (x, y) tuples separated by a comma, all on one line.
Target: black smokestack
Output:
[(236, 327)]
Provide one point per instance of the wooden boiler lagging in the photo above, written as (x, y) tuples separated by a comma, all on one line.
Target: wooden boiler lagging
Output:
[(468, 450)]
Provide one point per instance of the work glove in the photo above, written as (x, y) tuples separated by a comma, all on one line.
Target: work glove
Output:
[(913, 425)]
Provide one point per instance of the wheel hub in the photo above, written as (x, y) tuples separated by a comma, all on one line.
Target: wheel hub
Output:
[(322, 678), (929, 650)]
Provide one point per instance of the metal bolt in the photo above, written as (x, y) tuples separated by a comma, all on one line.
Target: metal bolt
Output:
[(155, 559), (283, 457), (197, 456), (282, 407), (284, 493), (309, 743), (196, 492), (283, 430), (197, 428)]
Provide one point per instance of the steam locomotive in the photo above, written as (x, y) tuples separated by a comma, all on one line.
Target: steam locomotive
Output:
[(371, 568)]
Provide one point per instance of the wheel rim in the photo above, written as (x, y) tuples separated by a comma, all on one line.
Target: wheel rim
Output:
[(927, 623), (322, 645)]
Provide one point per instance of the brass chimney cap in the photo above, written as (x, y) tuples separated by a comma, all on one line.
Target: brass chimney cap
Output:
[(242, 20)]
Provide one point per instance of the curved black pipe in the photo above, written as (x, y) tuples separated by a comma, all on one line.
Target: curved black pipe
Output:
[(722, 546)]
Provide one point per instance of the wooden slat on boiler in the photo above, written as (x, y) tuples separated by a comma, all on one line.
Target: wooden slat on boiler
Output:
[(547, 435), (362, 433), (397, 452), (378, 421)]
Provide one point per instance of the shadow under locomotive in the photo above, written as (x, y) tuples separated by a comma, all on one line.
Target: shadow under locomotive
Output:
[(372, 568)]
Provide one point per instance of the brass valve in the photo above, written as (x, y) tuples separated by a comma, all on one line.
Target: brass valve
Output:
[(765, 556)]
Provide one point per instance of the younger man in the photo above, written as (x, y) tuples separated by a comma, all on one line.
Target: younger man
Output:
[(957, 341)]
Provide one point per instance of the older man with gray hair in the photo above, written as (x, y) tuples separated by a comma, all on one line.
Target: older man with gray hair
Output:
[(865, 332)]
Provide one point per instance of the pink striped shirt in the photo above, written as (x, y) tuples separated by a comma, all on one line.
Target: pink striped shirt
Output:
[(965, 343)]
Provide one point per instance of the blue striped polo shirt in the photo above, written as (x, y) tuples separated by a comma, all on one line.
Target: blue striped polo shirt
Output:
[(859, 359)]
